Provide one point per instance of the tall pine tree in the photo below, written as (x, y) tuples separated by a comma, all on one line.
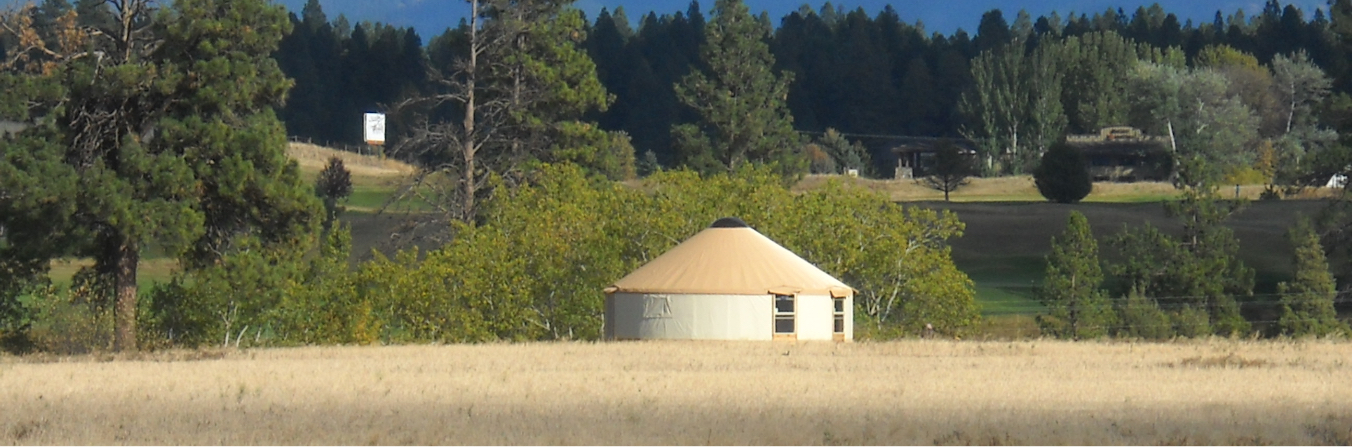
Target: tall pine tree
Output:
[(1077, 308), (166, 124), (741, 99), (1308, 301)]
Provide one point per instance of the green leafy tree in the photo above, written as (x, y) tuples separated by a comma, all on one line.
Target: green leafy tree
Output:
[(1212, 134), (741, 100), (534, 268), (1077, 308), (1094, 83), (1015, 106), (949, 170), (994, 106), (1298, 87), (1247, 80), (1308, 300), (169, 130), (1062, 175), (300, 292)]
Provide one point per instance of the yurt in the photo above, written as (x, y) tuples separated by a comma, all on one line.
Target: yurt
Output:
[(729, 282)]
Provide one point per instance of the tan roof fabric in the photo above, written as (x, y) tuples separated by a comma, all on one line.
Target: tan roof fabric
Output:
[(737, 261)]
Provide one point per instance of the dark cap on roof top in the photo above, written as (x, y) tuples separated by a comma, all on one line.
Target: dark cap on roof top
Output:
[(729, 222)]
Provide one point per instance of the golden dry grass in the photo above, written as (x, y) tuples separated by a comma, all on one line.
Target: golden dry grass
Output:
[(365, 169), (1021, 188), (909, 392)]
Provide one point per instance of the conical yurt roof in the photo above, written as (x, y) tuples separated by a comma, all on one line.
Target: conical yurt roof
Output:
[(730, 258)]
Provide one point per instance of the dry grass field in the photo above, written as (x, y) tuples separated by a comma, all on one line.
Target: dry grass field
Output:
[(365, 169), (908, 392)]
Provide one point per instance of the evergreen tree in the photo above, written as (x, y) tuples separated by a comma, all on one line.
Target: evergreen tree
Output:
[(1063, 175), (1197, 271), (512, 89), (741, 100), (1141, 317), (992, 32), (171, 138), (334, 183), (1077, 308), (845, 154), (1308, 301)]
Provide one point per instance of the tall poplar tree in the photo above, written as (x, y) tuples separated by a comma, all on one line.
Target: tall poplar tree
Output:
[(744, 117), (165, 122)]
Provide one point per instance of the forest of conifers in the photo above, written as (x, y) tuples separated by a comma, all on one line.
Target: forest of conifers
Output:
[(862, 75)]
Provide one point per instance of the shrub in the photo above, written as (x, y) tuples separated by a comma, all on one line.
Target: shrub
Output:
[(1192, 322), (1142, 318), (1062, 176), (289, 294), (78, 320)]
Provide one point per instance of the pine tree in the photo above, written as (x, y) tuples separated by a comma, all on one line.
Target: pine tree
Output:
[(1142, 318), (1077, 308), (333, 184), (170, 135), (1308, 301), (741, 100), (513, 90), (1197, 271)]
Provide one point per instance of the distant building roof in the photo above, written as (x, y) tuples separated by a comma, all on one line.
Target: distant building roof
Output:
[(906, 145), (1118, 139)]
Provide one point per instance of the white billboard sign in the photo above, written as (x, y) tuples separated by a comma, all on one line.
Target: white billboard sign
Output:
[(373, 128)]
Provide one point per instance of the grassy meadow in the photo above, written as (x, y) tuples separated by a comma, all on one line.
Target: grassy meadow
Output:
[(906, 392)]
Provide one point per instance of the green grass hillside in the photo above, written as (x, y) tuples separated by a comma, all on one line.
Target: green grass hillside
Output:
[(1003, 247)]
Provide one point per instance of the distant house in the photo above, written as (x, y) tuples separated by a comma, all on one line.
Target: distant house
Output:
[(1124, 154), (915, 154)]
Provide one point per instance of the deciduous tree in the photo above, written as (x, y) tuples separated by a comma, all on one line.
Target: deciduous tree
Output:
[(949, 170), (1211, 133)]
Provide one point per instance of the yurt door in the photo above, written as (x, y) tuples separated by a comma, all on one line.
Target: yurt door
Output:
[(783, 314)]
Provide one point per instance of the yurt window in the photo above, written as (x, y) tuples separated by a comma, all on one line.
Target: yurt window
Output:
[(784, 314), (838, 315)]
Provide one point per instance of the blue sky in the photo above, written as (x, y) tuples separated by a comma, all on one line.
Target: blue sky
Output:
[(431, 17)]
